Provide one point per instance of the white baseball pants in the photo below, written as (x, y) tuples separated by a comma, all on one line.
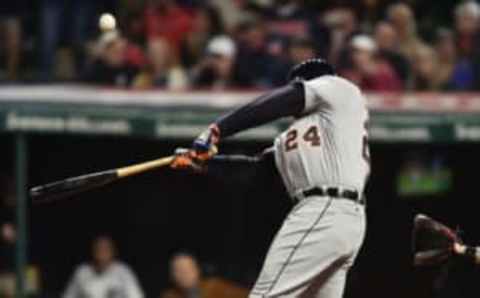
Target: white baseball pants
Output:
[(313, 250)]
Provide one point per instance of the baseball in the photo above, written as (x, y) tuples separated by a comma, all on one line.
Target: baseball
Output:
[(107, 22)]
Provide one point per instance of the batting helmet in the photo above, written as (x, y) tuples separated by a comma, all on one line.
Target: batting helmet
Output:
[(310, 69)]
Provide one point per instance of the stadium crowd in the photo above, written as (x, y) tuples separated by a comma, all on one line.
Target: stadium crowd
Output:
[(216, 44)]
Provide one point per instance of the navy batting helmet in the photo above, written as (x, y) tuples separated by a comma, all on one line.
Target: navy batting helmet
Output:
[(310, 69)]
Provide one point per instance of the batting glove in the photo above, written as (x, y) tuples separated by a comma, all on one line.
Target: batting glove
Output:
[(205, 145), (185, 160)]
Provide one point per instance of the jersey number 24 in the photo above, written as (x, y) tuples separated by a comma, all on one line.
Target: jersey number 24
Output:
[(312, 137)]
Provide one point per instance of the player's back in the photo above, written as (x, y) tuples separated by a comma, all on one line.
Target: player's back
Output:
[(327, 145)]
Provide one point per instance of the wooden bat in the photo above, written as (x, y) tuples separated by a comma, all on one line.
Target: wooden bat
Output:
[(68, 187)]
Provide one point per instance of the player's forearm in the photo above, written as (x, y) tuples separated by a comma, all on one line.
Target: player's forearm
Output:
[(283, 102)]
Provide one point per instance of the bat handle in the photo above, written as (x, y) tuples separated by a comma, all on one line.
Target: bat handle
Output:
[(143, 167)]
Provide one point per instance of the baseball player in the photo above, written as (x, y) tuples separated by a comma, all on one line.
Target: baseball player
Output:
[(323, 161)]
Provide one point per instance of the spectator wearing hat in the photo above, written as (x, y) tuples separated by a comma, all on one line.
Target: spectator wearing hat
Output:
[(367, 69), (467, 24), (216, 70)]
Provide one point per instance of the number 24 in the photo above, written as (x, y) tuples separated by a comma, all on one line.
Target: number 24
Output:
[(312, 136)]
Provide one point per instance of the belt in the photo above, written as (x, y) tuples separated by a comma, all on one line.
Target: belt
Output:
[(334, 192)]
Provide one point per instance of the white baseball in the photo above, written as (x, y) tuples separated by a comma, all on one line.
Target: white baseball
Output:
[(107, 22)]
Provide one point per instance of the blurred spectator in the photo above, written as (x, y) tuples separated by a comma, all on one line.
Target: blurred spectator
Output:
[(232, 12), (467, 17), (402, 19), (465, 75), (261, 31), (11, 26), (188, 282), (56, 15), (254, 62), (288, 18), (166, 19), (7, 263), (112, 63), (343, 23), (466, 72), (387, 42), (216, 70), (104, 276), (424, 69), (445, 48), (163, 69), (367, 69), (8, 239), (291, 18), (206, 24), (131, 20), (301, 49)]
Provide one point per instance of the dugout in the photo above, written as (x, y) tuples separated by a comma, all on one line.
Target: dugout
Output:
[(57, 132)]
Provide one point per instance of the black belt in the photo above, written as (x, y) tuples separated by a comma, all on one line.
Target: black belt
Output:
[(334, 192)]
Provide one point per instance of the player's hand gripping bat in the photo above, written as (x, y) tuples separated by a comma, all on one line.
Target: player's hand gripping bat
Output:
[(65, 188)]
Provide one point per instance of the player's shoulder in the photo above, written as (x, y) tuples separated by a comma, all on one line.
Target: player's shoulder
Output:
[(333, 81), (336, 91)]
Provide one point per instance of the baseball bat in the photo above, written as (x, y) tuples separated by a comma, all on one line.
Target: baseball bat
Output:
[(70, 186)]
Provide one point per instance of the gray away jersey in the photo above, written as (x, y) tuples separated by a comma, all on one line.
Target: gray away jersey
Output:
[(327, 145)]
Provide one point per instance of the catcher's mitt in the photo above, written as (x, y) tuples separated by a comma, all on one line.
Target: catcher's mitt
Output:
[(433, 242)]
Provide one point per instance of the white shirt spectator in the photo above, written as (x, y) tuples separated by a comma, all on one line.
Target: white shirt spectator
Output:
[(116, 281)]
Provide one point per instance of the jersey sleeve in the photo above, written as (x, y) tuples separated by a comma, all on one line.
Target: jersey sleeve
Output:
[(279, 103), (327, 93)]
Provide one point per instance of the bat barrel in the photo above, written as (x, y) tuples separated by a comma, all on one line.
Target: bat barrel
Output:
[(61, 189), (64, 188)]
